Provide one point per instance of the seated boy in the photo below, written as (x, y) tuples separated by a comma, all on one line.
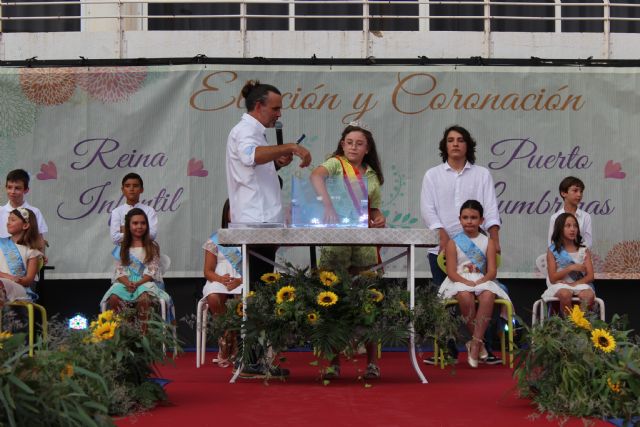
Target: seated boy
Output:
[(132, 188), (17, 186), (571, 191)]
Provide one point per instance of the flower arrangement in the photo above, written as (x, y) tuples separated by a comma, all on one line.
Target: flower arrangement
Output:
[(82, 378), (581, 366), (327, 310), (330, 311)]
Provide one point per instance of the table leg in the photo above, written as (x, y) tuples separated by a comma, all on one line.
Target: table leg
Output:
[(411, 285), (245, 292)]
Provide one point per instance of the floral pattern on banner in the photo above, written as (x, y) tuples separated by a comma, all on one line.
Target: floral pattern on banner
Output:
[(48, 86), (17, 114), (112, 84), (623, 259)]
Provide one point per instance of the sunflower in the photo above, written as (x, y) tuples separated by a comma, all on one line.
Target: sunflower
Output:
[(286, 293), (329, 279), (4, 336), (105, 331), (376, 295), (603, 340), (240, 309), (577, 317), (313, 317), (327, 299), (615, 387), (270, 277), (280, 311), (67, 372), (106, 316)]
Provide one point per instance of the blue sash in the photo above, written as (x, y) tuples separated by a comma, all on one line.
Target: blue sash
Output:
[(135, 268), (472, 251), (13, 257), (564, 260), (231, 253)]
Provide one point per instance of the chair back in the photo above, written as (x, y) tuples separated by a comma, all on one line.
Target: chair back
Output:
[(165, 263), (541, 265)]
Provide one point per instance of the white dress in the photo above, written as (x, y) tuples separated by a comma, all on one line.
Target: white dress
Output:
[(553, 288), (15, 291), (222, 267), (449, 288)]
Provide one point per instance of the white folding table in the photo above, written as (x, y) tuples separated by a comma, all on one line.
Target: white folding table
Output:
[(409, 238)]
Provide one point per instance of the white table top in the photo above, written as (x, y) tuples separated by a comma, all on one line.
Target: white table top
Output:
[(328, 236)]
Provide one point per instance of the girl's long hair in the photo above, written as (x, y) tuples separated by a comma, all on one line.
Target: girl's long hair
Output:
[(31, 236), (558, 228), (151, 248), (371, 158)]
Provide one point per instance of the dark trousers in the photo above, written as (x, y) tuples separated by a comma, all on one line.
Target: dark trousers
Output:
[(257, 268)]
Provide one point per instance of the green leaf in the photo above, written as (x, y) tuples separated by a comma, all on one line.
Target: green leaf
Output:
[(20, 384), (326, 382), (314, 363)]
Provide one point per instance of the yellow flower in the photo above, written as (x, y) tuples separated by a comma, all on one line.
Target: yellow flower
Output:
[(313, 317), (577, 317), (239, 309), (4, 336), (327, 278), (615, 387), (286, 293), (106, 316), (270, 277), (67, 372), (603, 340), (327, 299), (105, 331), (376, 295), (368, 274), (251, 294), (280, 311), (403, 306)]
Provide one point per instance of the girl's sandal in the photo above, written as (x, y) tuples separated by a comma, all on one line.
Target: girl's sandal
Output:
[(372, 372)]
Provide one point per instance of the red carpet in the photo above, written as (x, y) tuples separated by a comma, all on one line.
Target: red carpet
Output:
[(466, 397)]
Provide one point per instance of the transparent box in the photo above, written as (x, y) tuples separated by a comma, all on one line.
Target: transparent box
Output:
[(349, 198)]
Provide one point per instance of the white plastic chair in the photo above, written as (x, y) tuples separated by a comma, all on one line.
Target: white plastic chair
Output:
[(202, 318), (540, 309)]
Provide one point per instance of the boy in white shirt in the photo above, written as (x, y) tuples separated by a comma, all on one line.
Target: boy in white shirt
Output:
[(17, 187), (571, 190), (132, 188)]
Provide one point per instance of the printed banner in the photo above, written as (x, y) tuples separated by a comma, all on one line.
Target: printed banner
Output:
[(78, 131)]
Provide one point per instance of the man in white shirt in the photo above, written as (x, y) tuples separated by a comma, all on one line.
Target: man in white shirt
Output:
[(447, 186), (132, 188), (571, 190), (252, 180)]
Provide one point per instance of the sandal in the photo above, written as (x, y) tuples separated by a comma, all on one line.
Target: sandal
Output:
[(473, 362), (372, 372), (332, 372)]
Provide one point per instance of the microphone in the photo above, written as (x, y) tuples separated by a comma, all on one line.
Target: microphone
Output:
[(278, 126)]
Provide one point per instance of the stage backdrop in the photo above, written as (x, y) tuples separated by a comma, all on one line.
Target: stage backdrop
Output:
[(78, 131)]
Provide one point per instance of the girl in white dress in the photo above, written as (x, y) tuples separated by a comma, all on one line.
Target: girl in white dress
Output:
[(569, 265), (19, 256), (471, 269), (222, 267)]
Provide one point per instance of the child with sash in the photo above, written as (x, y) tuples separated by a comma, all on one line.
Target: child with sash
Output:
[(20, 257), (137, 279), (569, 265), (223, 271), (355, 158), (471, 271)]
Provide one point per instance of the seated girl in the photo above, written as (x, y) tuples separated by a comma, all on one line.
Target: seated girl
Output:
[(137, 279), (20, 257), (569, 265), (222, 269), (471, 271)]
